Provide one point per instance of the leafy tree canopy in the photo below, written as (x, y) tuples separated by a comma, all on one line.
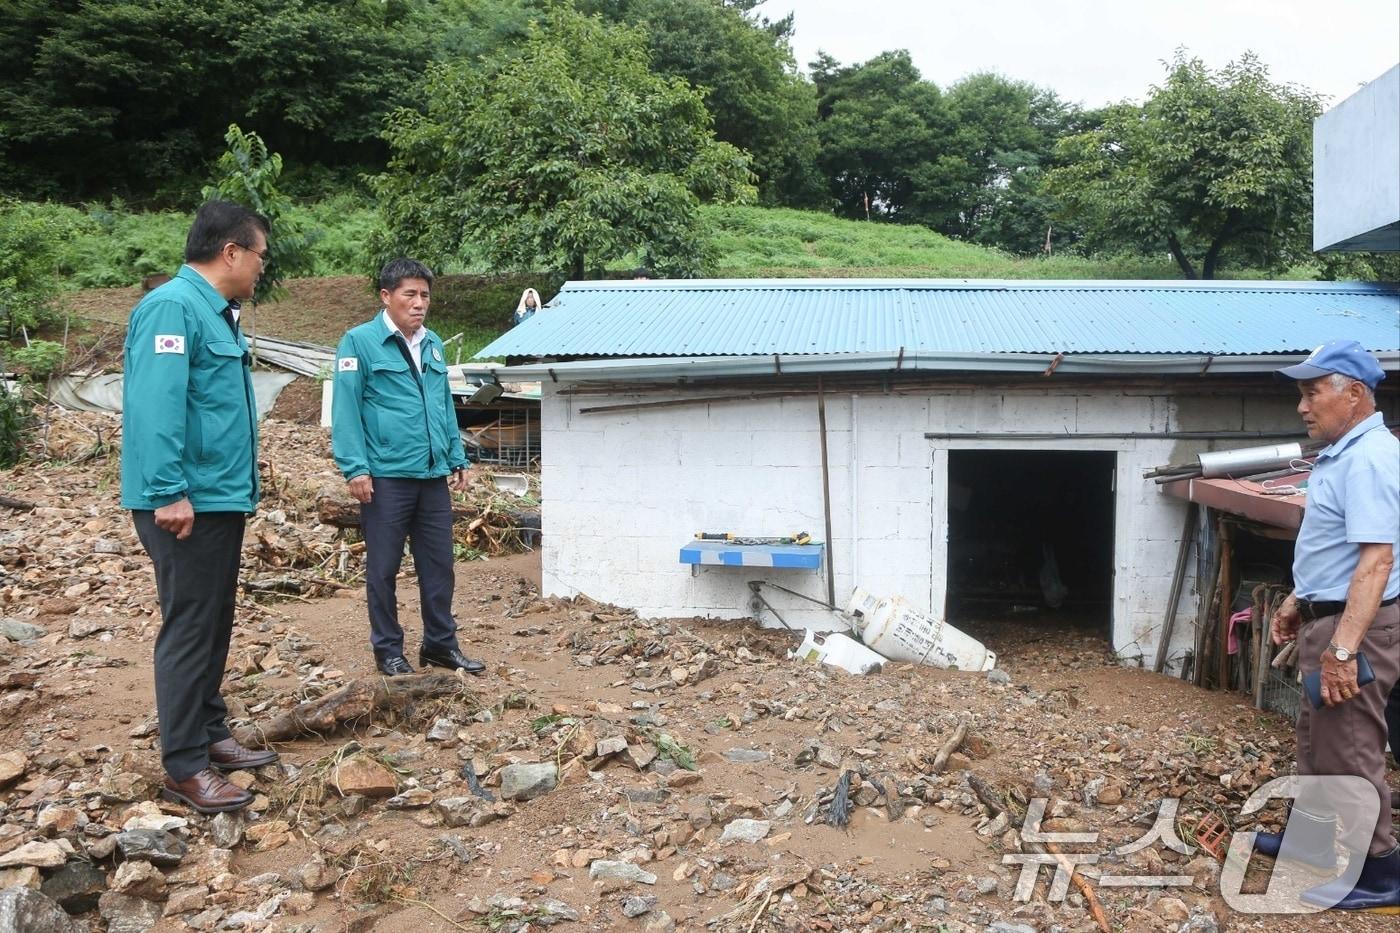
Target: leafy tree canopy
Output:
[(1214, 165), (882, 135), (132, 96), (565, 153), (749, 79)]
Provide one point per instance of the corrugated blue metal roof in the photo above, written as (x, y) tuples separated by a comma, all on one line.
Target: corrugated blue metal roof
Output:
[(739, 317)]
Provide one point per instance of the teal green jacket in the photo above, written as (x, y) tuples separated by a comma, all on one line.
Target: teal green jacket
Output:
[(388, 419), (189, 416)]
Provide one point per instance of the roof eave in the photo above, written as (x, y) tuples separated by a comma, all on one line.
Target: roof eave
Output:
[(1098, 364)]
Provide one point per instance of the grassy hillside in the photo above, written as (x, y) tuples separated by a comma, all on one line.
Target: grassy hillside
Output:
[(754, 242), (746, 242)]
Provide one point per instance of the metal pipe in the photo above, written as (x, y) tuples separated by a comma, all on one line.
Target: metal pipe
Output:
[(1248, 460), (826, 498), (754, 584), (1105, 435), (679, 402)]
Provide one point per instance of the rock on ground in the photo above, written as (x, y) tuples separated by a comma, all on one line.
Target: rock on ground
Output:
[(528, 781), (23, 910), (364, 776), (619, 871), (127, 914), (745, 831)]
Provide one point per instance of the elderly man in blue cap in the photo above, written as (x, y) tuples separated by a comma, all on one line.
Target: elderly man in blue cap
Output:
[(1346, 576)]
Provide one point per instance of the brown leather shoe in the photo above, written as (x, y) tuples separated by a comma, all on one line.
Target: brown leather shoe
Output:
[(228, 755), (207, 792)]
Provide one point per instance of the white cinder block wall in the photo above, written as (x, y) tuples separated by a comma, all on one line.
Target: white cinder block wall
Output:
[(624, 490)]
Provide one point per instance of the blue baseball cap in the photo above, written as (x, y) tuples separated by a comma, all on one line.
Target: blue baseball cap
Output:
[(1346, 357)]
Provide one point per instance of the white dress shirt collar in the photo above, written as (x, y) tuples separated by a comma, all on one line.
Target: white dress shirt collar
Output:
[(414, 340)]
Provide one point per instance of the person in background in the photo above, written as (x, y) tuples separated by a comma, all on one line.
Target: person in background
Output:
[(1346, 575), (189, 475), (394, 437), (529, 304)]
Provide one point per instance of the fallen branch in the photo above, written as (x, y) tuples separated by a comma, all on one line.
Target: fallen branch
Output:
[(1095, 908), (998, 805), (940, 761), (274, 585), (19, 505), (345, 513), (761, 908), (354, 703)]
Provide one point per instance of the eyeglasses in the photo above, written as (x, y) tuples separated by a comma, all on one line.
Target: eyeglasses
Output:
[(261, 254)]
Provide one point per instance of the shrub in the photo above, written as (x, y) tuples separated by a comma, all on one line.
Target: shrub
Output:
[(41, 359), (116, 247), (16, 419), (340, 227), (31, 238)]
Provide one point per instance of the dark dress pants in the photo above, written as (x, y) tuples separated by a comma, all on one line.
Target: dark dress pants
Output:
[(196, 584), (1350, 738), (419, 510)]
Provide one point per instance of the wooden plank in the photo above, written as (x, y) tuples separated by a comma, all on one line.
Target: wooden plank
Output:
[(1183, 554)]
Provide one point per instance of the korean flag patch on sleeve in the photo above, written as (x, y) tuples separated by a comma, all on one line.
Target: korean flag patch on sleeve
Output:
[(170, 343), (348, 364)]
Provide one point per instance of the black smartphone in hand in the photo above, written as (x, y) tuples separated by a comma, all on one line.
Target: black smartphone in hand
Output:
[(1312, 683)]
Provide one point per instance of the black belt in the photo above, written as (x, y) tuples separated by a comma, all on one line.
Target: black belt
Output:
[(1312, 611)]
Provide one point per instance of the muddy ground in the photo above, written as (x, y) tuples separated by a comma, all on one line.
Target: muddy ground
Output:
[(677, 774)]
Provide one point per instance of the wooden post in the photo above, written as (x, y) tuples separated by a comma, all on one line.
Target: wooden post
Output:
[(1183, 554), (1203, 613), (1223, 648)]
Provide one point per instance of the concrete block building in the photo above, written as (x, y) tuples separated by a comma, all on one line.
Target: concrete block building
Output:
[(957, 436)]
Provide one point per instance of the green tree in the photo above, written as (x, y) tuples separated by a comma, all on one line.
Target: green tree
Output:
[(566, 153), (883, 136), (247, 174), (132, 96), (1004, 135), (1214, 166), (745, 70), (466, 30)]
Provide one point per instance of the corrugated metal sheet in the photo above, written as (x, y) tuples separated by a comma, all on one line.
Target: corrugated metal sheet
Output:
[(764, 317)]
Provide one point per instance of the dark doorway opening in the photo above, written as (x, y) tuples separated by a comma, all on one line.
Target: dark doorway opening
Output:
[(1030, 537)]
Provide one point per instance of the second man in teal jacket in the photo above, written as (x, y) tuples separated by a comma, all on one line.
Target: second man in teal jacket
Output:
[(395, 439)]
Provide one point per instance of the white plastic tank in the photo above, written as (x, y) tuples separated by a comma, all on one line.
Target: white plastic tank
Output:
[(898, 631), (839, 651)]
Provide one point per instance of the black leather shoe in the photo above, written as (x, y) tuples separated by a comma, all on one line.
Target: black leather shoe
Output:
[(451, 658), (393, 666)]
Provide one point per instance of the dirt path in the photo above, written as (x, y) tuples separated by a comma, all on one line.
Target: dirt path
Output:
[(768, 739)]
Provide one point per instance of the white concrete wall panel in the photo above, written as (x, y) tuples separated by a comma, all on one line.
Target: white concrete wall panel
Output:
[(625, 490), (1356, 170)]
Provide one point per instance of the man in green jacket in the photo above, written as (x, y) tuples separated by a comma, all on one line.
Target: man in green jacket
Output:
[(190, 478), (394, 436)]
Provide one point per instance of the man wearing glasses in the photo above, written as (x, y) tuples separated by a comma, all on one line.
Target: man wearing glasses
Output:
[(190, 478)]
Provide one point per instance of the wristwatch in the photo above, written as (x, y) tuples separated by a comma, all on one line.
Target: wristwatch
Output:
[(1341, 654)]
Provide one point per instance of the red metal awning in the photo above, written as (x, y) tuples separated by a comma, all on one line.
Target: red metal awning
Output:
[(1266, 503)]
